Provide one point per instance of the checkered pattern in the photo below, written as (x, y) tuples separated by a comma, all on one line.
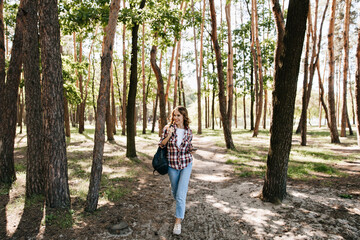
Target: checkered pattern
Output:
[(178, 157)]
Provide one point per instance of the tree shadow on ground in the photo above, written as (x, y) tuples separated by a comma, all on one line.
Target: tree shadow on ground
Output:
[(4, 199), (31, 217)]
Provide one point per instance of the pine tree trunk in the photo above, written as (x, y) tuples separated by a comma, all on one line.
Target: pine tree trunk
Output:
[(160, 89), (346, 68), (230, 65), (265, 107), (222, 98), (2, 53), (259, 93), (287, 63), (81, 88), (331, 98), (66, 117), (106, 60), (8, 103), (35, 168), (303, 125), (130, 109), (154, 113), (113, 106), (357, 90), (143, 80), (124, 103), (57, 188)]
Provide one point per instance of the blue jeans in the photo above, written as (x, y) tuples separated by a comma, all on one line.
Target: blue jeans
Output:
[(179, 186)]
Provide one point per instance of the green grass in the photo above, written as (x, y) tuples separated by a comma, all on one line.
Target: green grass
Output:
[(62, 218)]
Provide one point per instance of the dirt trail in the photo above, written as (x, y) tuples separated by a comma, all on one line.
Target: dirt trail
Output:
[(222, 206)]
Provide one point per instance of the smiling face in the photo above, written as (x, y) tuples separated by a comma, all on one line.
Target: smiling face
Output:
[(178, 119)]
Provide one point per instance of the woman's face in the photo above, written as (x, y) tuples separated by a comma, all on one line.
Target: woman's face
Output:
[(178, 118)]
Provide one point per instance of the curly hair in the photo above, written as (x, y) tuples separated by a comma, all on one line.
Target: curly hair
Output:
[(183, 111)]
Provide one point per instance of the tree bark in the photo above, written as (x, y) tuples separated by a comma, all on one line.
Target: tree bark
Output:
[(303, 118), (357, 90), (35, 168), (8, 103), (154, 112), (346, 68), (109, 118), (106, 60), (198, 71), (57, 188), (123, 130), (160, 90), (81, 88), (287, 61), (2, 53), (259, 92), (222, 98), (66, 117), (130, 110), (331, 97), (143, 80)]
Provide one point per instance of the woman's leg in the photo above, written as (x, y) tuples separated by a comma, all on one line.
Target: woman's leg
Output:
[(181, 191), (174, 175)]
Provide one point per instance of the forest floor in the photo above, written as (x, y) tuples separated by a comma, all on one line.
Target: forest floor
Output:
[(323, 189)]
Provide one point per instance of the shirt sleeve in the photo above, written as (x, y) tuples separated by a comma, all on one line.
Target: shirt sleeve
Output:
[(163, 135)]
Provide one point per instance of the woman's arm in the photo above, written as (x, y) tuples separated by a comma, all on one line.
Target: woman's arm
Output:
[(168, 131)]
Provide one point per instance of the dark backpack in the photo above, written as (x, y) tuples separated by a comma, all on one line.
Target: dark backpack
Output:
[(160, 161)]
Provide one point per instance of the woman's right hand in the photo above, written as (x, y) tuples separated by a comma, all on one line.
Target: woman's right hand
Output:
[(170, 129)]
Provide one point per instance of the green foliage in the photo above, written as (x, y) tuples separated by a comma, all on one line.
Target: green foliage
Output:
[(70, 68), (10, 11), (62, 218)]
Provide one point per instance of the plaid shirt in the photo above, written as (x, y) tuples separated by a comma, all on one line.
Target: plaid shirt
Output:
[(178, 157)]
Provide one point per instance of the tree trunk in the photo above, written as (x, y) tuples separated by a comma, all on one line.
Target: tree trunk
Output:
[(2, 53), (143, 80), (66, 117), (35, 168), (130, 110), (106, 60), (346, 67), (8, 103), (303, 118), (113, 106), (198, 71), (177, 64), (123, 109), (252, 96), (259, 92), (57, 188), (160, 89), (322, 100), (265, 107), (287, 61), (109, 118), (357, 90), (222, 98), (81, 88), (331, 98), (154, 112)]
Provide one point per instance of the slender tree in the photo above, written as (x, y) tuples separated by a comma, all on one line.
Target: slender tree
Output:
[(130, 109), (143, 79), (260, 84), (357, 90), (288, 51), (222, 98), (346, 68), (123, 107), (34, 154), (8, 103), (57, 188), (331, 98), (106, 60)]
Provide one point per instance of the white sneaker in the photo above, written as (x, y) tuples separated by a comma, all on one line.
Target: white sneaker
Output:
[(177, 229)]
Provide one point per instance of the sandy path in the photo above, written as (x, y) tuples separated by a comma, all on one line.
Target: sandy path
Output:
[(221, 206)]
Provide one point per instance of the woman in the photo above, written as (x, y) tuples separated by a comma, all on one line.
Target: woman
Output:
[(177, 136)]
